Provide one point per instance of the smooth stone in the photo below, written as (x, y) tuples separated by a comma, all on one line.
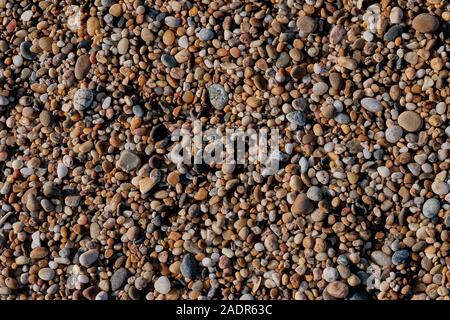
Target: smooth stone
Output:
[(162, 285), (393, 33), (314, 193), (371, 104), (168, 61), (337, 289), (296, 117), (336, 34), (38, 253), (128, 161), (46, 274), (61, 170), (330, 274), (431, 208), (425, 23), (336, 81), (119, 278), (82, 99), (122, 46), (72, 201), (302, 205), (410, 121), (400, 257), (146, 184), (396, 15), (172, 22), (45, 118), (440, 188), (217, 96), (188, 266), (320, 88), (4, 101), (92, 25), (381, 258), (25, 51), (393, 133), (306, 25), (271, 243), (26, 15), (205, 34), (82, 67), (51, 190), (87, 258)]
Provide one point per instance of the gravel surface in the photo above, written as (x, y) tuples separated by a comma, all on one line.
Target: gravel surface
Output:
[(92, 206)]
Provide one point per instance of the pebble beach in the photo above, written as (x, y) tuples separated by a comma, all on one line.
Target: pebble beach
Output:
[(92, 93)]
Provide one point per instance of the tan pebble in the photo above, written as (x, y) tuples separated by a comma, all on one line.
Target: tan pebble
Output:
[(302, 205), (410, 121), (115, 10), (201, 194), (92, 25), (168, 37), (173, 178)]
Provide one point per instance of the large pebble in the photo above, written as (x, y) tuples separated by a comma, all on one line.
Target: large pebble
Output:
[(393, 133), (188, 266), (371, 104), (162, 285), (128, 161), (46, 274), (425, 23), (217, 96), (205, 34), (82, 67), (119, 278), (296, 117), (410, 121), (306, 25), (381, 258), (87, 258), (82, 99), (338, 289), (400, 257), (302, 205), (431, 208)]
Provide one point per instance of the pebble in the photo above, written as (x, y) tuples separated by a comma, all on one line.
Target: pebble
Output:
[(217, 96), (306, 25), (205, 34), (393, 33), (320, 88), (400, 257), (425, 23), (128, 161), (188, 267), (338, 289), (46, 274), (380, 258), (297, 118), (82, 99), (82, 67), (162, 285), (95, 206), (122, 46), (302, 205), (4, 101), (440, 188), (88, 258), (410, 121), (393, 133), (119, 278), (371, 104), (330, 274)]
